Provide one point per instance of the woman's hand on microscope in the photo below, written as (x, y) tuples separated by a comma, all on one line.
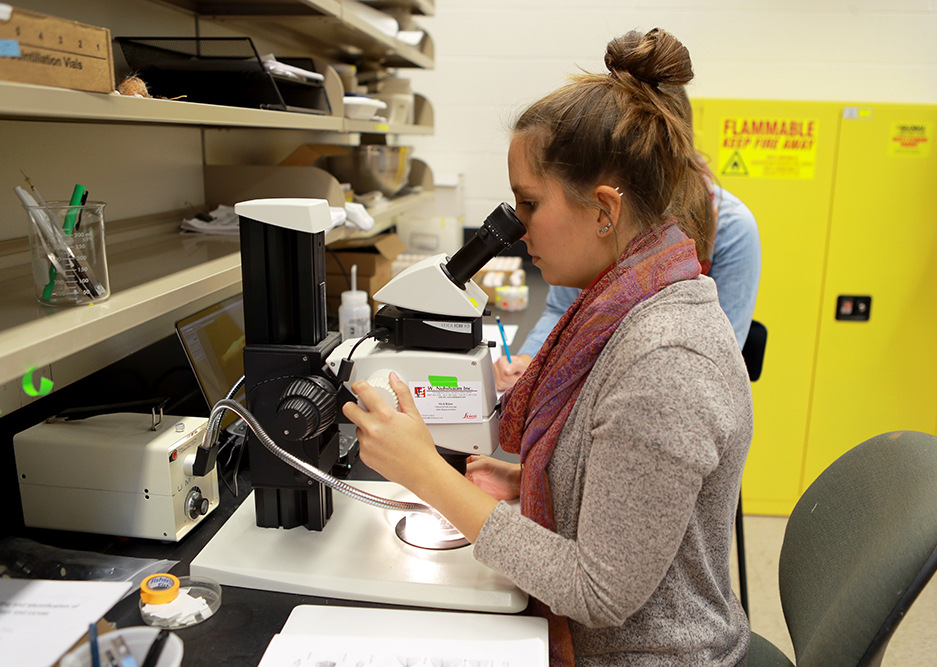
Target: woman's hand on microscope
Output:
[(499, 479), (398, 445), (393, 442)]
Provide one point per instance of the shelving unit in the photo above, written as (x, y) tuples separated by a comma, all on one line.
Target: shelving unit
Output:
[(20, 101), (158, 275), (423, 7), (152, 276), (336, 29), (25, 102)]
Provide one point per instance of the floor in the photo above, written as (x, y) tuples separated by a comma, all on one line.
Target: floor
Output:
[(913, 645)]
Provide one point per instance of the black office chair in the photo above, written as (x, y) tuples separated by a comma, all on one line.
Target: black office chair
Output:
[(753, 352), (754, 349), (859, 547)]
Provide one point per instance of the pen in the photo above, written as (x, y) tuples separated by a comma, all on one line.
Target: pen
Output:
[(156, 648), (93, 641), (504, 339), (84, 200), (73, 205)]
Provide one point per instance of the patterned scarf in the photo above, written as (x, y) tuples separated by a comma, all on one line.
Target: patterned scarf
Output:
[(536, 408)]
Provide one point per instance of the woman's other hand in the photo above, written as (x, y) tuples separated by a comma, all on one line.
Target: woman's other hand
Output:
[(506, 374), (499, 479)]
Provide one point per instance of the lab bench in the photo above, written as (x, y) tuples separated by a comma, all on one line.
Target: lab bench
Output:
[(239, 632)]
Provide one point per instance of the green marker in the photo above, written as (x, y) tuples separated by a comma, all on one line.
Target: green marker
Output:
[(69, 226), (77, 194)]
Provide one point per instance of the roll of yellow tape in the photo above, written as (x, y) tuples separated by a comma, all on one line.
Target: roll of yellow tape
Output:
[(159, 589)]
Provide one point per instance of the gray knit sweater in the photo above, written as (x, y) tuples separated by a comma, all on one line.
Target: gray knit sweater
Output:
[(645, 480)]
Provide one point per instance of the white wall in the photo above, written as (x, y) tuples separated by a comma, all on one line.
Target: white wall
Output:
[(493, 57)]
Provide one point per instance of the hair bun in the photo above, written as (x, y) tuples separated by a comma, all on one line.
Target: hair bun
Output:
[(654, 58)]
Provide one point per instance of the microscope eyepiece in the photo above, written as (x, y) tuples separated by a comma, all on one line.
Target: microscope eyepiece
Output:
[(500, 231)]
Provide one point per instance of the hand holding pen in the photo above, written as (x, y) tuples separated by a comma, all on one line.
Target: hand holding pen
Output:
[(508, 373), (508, 369)]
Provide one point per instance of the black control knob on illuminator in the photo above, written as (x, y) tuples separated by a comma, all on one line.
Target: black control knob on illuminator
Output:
[(196, 504)]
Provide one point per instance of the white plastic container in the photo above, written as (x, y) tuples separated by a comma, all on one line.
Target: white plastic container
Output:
[(138, 639), (399, 107), (354, 313), (362, 108)]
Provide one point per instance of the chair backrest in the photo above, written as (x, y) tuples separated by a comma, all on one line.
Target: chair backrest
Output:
[(754, 349), (859, 547)]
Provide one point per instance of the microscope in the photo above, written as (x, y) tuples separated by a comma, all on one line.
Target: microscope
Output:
[(297, 374)]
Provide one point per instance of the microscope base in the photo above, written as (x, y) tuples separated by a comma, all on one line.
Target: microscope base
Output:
[(357, 557)]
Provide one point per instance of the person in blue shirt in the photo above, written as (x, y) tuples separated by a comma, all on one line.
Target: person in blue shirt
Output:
[(735, 267)]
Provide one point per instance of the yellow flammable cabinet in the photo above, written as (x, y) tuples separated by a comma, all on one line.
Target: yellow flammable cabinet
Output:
[(878, 375), (846, 203)]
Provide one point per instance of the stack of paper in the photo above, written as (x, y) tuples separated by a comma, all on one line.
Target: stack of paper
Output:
[(40, 620), (351, 636)]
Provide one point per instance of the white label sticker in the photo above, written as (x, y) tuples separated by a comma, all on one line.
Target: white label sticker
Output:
[(458, 327), (448, 405)]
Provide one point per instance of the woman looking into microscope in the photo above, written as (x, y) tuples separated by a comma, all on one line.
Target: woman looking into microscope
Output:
[(634, 419)]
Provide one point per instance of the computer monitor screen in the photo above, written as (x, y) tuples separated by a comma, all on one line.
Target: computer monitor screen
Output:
[(213, 340)]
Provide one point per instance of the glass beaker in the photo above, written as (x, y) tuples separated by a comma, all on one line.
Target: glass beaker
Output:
[(68, 253)]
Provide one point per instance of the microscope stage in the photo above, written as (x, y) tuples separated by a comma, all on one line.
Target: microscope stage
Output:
[(357, 557)]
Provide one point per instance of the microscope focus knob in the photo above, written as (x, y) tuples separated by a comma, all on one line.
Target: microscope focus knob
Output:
[(381, 384), (307, 407)]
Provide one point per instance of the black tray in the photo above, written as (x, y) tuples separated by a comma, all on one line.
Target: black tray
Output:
[(220, 70)]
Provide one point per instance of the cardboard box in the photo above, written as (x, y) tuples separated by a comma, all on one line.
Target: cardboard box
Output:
[(49, 51), (370, 254), (335, 284), (374, 257), (309, 154)]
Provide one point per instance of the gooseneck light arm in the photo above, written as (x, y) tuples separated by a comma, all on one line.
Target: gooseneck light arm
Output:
[(308, 469)]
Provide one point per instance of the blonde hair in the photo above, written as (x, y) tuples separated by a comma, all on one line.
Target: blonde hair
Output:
[(629, 129)]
